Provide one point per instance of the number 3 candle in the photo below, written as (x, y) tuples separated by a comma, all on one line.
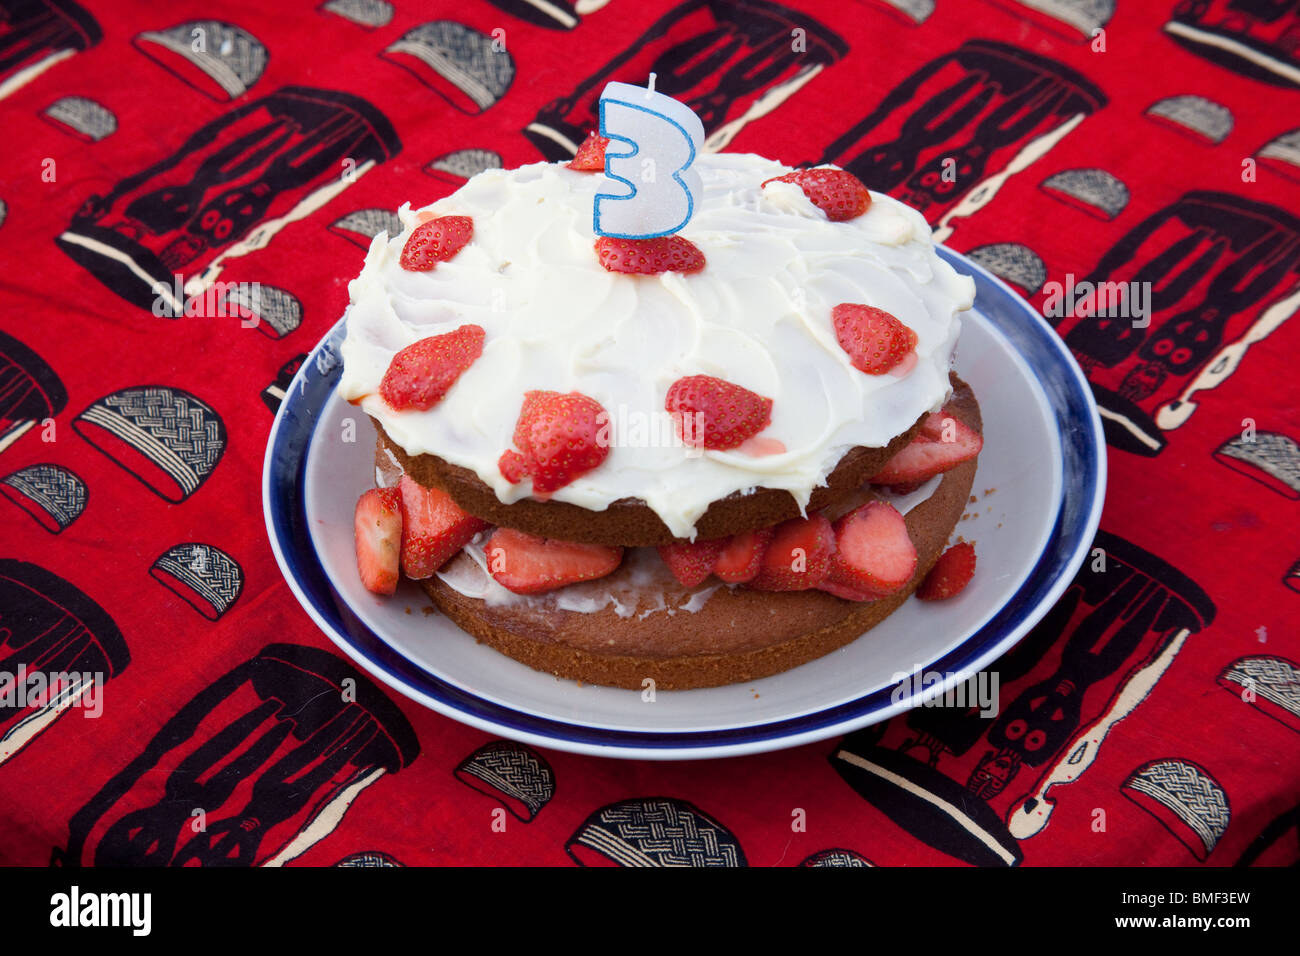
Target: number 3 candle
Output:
[(653, 142)]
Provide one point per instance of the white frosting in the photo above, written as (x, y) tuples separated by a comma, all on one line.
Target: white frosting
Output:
[(758, 315)]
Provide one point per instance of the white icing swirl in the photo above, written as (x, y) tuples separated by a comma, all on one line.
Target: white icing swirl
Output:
[(758, 315)]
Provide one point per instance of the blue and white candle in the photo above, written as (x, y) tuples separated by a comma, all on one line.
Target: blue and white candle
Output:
[(653, 140)]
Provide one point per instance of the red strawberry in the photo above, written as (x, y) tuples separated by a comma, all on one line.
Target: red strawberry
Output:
[(526, 412), (728, 414), (799, 556), (846, 592), (742, 556), (942, 443), (950, 573), (420, 374), (377, 526), (433, 528), (436, 241), (836, 192), (874, 340), (513, 466), (692, 562), (559, 437), (905, 489), (874, 555), (590, 157), (649, 256), (527, 564)]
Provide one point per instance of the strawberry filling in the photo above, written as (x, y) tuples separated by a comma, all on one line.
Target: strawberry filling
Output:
[(864, 554)]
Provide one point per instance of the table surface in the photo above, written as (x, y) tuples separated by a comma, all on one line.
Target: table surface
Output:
[(1152, 718)]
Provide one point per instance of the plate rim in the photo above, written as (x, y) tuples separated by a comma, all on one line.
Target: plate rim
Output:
[(818, 725)]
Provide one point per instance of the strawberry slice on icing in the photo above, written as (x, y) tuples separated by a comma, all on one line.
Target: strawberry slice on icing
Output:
[(558, 438), (434, 241), (836, 192), (875, 341), (526, 564), (590, 157), (716, 414), (942, 443), (649, 256), (422, 373)]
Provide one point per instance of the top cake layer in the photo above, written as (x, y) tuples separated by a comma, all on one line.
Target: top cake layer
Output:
[(757, 315)]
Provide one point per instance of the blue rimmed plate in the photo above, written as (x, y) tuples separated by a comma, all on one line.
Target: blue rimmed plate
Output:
[(1038, 499)]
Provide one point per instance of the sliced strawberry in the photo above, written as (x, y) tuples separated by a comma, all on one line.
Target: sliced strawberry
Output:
[(691, 561), (377, 526), (436, 241), (742, 556), (950, 574), (559, 437), (513, 466), (874, 554), (846, 592), (728, 415), (527, 411), (420, 374), (433, 528), (799, 556), (649, 256), (527, 564), (943, 442), (836, 192), (905, 489), (590, 157), (874, 340)]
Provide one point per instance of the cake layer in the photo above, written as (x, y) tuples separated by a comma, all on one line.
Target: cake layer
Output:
[(704, 636), (757, 315), (629, 522)]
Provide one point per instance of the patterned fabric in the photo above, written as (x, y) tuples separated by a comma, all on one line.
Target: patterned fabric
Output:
[(1189, 793), (58, 493), (202, 572), (516, 773), (184, 198)]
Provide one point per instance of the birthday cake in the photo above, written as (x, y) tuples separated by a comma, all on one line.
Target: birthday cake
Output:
[(699, 458)]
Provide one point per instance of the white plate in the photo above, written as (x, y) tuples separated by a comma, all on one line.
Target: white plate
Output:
[(1043, 457)]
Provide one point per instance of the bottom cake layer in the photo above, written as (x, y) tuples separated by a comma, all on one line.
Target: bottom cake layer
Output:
[(640, 623)]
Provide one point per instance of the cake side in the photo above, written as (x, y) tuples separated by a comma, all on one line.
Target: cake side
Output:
[(629, 522)]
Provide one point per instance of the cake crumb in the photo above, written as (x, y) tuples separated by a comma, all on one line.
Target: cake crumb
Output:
[(973, 499), (426, 611), (989, 491), (408, 609)]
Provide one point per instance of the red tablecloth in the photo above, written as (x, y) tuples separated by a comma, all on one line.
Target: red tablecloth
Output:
[(1045, 138)]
